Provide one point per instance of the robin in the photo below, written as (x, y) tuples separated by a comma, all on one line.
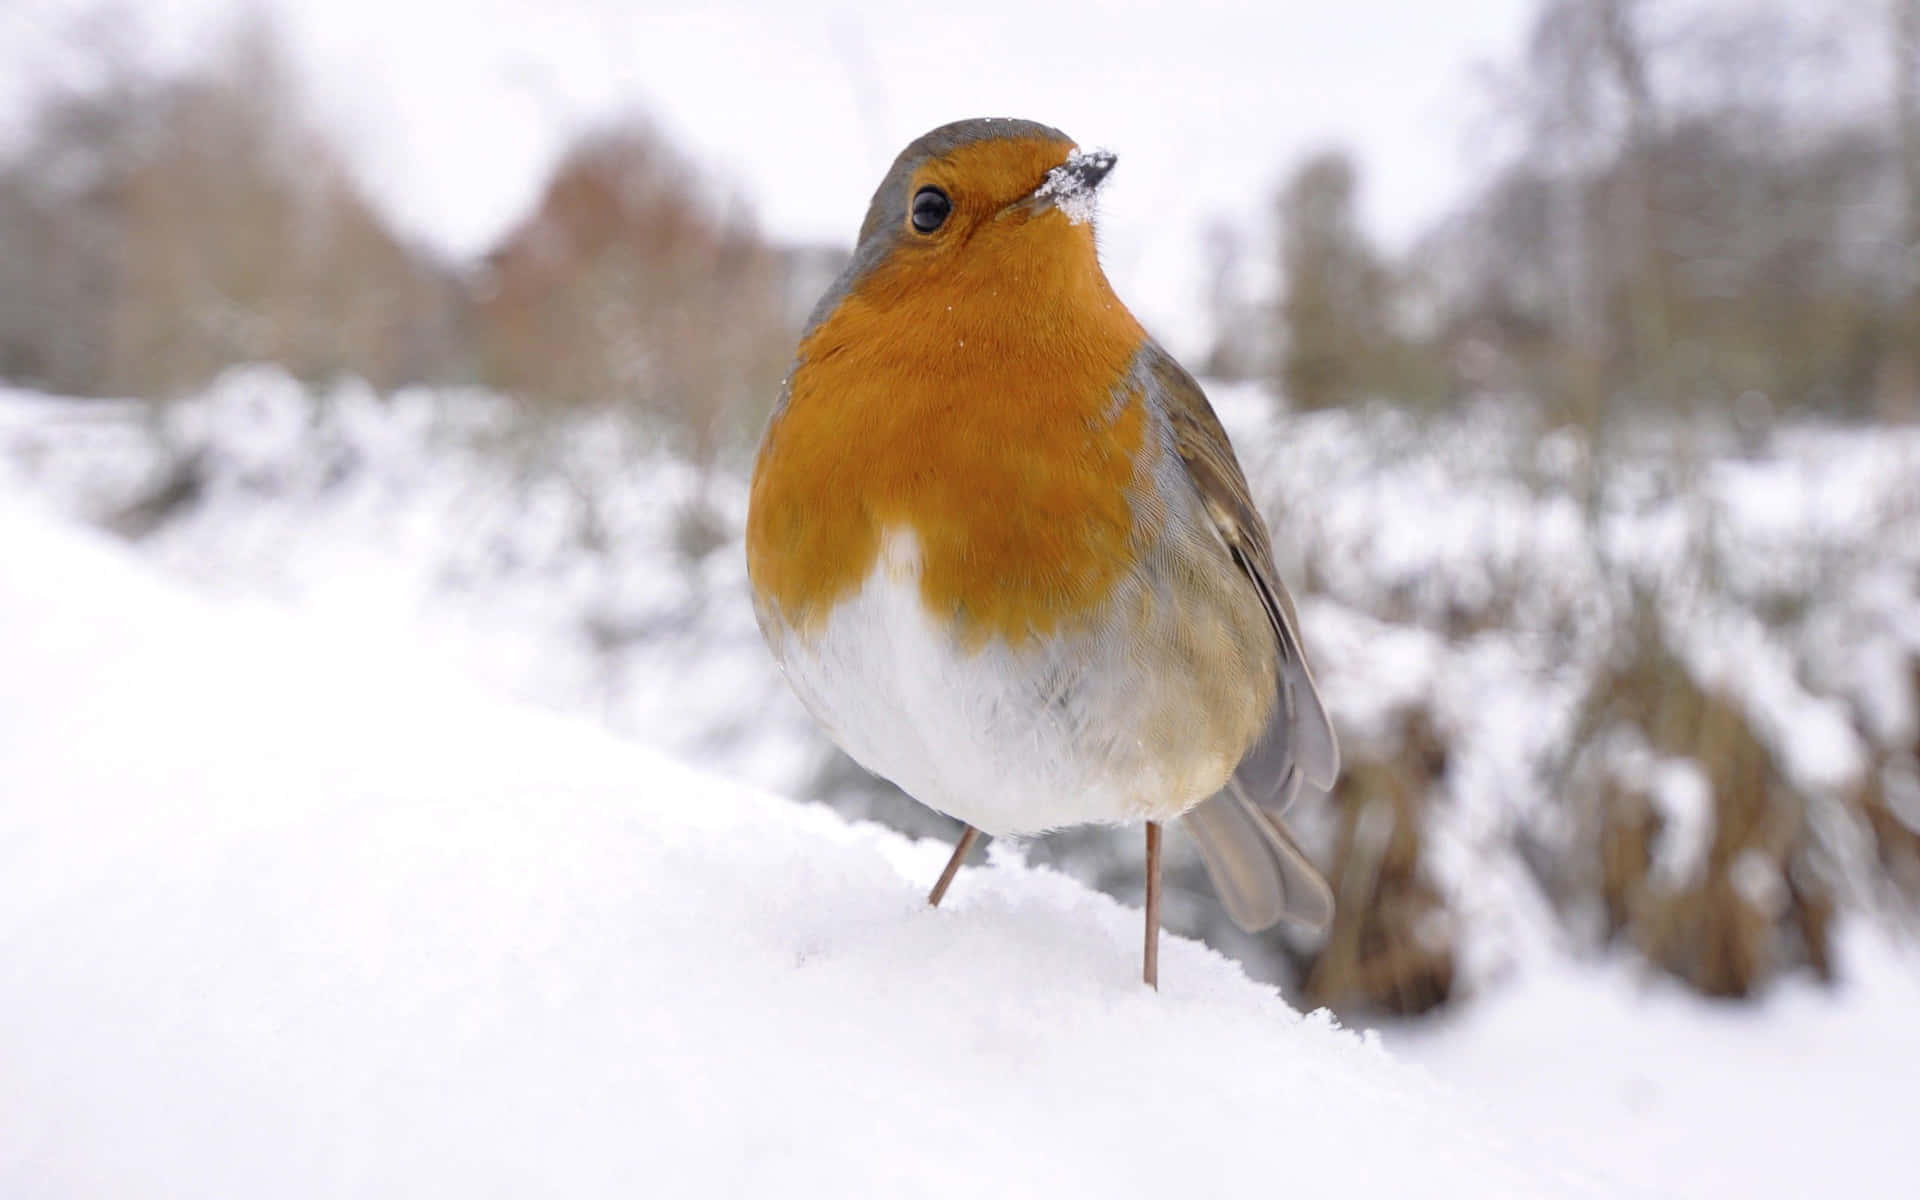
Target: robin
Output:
[(1002, 549)]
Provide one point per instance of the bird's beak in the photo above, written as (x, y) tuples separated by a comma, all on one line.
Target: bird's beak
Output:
[(1071, 186)]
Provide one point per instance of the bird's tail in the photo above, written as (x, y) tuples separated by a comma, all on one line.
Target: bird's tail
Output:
[(1261, 873)]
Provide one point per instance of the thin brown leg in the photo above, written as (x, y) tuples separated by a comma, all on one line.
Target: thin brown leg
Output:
[(939, 891), (1151, 971)]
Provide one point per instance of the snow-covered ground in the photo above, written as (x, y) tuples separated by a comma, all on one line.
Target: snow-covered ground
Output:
[(269, 839), (1807, 1092), (285, 915)]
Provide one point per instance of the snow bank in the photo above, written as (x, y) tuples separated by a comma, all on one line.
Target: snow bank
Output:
[(284, 915), (1808, 1092)]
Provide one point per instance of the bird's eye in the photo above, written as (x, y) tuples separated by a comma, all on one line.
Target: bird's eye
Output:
[(930, 209)]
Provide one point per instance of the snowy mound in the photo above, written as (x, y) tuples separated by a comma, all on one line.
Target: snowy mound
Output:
[(282, 917)]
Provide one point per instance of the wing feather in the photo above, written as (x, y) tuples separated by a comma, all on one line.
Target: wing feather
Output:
[(1257, 867), (1300, 733)]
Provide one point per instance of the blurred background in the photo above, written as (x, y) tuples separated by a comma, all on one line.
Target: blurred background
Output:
[(1572, 347)]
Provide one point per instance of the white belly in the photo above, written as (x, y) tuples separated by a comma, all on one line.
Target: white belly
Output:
[(1009, 741)]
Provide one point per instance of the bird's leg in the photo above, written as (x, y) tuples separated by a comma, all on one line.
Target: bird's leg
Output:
[(939, 891), (1151, 970)]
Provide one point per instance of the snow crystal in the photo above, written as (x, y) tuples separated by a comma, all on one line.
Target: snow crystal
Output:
[(1067, 187)]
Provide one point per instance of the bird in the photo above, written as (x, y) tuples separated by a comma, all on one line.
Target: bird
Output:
[(1000, 546)]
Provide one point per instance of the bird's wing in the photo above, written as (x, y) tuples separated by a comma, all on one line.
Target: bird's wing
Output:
[(1300, 735), (1256, 866), (1260, 872)]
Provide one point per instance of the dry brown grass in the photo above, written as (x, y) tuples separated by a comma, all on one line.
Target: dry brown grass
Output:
[(1889, 803), (1390, 948), (1759, 900)]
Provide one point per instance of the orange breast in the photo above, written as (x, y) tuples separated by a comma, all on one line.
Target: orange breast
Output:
[(979, 408)]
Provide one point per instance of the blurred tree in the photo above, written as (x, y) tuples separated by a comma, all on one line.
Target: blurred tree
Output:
[(629, 288), (1238, 335), (1899, 386), (60, 235), (155, 232), (1906, 91), (1681, 232), (1334, 299)]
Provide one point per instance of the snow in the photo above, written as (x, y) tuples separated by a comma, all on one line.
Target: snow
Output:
[(1810, 1092), (1683, 797), (282, 913), (1781, 576), (275, 871), (1066, 185)]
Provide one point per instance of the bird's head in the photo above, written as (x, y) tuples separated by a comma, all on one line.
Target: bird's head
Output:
[(978, 203)]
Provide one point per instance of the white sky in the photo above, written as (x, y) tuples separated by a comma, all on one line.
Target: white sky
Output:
[(453, 110)]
